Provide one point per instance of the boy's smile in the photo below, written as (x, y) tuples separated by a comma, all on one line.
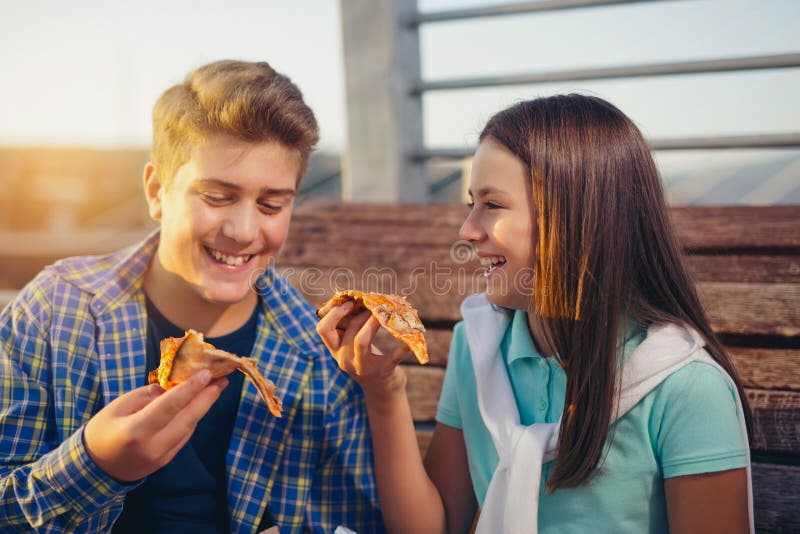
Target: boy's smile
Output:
[(224, 217)]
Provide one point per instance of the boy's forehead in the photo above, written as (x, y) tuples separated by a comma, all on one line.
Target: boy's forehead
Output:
[(226, 161)]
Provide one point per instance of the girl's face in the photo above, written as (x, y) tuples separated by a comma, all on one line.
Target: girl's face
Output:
[(500, 226)]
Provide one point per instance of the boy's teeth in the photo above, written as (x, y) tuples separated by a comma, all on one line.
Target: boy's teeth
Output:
[(229, 260)]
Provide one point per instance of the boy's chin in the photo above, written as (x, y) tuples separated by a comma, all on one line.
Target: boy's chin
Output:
[(227, 296)]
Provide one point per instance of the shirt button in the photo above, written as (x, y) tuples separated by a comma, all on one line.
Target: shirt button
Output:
[(543, 404)]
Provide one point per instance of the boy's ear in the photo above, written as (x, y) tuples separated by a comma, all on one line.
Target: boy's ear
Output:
[(152, 191)]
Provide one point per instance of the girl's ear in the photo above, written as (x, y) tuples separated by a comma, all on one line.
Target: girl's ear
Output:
[(152, 191)]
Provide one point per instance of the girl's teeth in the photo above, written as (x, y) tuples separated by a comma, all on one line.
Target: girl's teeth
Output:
[(492, 261)]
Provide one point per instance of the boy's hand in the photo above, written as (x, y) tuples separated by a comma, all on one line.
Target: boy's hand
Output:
[(142, 430), (378, 374)]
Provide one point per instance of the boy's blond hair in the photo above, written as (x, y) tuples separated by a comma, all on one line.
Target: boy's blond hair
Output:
[(247, 100)]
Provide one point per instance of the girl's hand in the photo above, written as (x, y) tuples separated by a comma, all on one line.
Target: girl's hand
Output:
[(378, 374)]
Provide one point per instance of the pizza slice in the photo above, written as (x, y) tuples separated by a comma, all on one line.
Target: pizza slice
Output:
[(181, 357), (393, 312)]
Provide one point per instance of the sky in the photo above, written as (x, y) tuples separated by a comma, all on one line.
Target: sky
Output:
[(87, 72)]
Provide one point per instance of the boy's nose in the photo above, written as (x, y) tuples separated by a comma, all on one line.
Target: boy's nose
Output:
[(241, 225)]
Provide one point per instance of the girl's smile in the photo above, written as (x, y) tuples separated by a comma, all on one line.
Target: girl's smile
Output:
[(500, 224), (493, 264)]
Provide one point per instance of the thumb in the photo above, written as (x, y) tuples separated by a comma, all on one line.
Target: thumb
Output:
[(133, 401)]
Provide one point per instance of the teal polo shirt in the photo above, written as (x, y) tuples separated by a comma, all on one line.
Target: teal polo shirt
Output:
[(687, 425)]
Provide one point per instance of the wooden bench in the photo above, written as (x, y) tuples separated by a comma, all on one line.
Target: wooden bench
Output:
[(745, 260)]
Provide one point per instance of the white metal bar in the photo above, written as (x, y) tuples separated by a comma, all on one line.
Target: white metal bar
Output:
[(384, 116), (789, 140), (513, 9), (773, 61)]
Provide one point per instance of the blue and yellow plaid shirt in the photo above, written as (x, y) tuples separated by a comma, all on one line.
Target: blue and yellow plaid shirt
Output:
[(74, 339)]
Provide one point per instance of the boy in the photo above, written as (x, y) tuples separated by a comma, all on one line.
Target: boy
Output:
[(86, 446)]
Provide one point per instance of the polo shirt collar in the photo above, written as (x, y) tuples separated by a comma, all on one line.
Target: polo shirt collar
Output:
[(518, 342)]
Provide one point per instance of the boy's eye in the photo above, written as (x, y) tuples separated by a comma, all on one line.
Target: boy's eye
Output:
[(268, 207), (214, 198), (470, 204)]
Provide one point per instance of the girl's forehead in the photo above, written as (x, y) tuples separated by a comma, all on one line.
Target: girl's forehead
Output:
[(496, 170)]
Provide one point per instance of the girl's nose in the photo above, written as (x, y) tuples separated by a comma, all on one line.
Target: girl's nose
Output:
[(470, 230)]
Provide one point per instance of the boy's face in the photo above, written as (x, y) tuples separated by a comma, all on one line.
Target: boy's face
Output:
[(223, 217)]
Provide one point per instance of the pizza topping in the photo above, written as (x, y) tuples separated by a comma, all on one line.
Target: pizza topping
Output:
[(393, 312), (184, 356)]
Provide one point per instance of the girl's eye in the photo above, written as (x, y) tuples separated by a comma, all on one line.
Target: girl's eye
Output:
[(470, 204), (492, 205)]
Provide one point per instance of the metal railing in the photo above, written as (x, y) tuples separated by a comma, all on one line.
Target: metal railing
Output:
[(405, 127)]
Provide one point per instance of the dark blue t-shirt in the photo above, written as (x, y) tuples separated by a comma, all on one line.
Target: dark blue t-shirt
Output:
[(189, 494)]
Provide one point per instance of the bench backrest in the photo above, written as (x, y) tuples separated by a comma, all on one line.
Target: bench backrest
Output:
[(745, 260)]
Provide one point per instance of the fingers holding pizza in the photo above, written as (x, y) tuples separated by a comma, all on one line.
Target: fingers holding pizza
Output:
[(349, 323)]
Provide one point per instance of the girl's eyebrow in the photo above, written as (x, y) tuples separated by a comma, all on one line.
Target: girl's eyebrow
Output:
[(236, 187), (484, 191)]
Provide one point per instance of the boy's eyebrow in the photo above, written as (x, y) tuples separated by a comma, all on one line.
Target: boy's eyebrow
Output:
[(237, 187)]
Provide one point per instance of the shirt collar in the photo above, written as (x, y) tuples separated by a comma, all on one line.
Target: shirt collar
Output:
[(517, 342)]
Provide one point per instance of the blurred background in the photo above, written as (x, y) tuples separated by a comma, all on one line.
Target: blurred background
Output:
[(80, 79)]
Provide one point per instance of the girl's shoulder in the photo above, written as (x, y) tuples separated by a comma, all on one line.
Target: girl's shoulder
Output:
[(694, 414), (698, 380)]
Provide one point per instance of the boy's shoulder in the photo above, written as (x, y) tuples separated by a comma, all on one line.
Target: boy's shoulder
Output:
[(110, 273), (290, 312)]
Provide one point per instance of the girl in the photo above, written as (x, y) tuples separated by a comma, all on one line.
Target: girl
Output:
[(585, 390)]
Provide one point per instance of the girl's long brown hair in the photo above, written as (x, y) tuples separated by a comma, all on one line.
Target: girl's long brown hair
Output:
[(606, 251)]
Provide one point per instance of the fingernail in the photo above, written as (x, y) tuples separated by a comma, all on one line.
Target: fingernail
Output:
[(204, 377), (347, 306)]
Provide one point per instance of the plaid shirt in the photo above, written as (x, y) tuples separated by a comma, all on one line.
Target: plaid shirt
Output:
[(74, 339)]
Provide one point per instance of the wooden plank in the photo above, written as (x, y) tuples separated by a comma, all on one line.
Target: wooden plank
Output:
[(54, 245), (732, 308), (766, 368), (379, 233), (698, 227), (775, 493), (776, 425), (767, 309), (735, 227), (451, 215), (432, 257), (738, 268), (423, 390), (776, 413), (304, 252)]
